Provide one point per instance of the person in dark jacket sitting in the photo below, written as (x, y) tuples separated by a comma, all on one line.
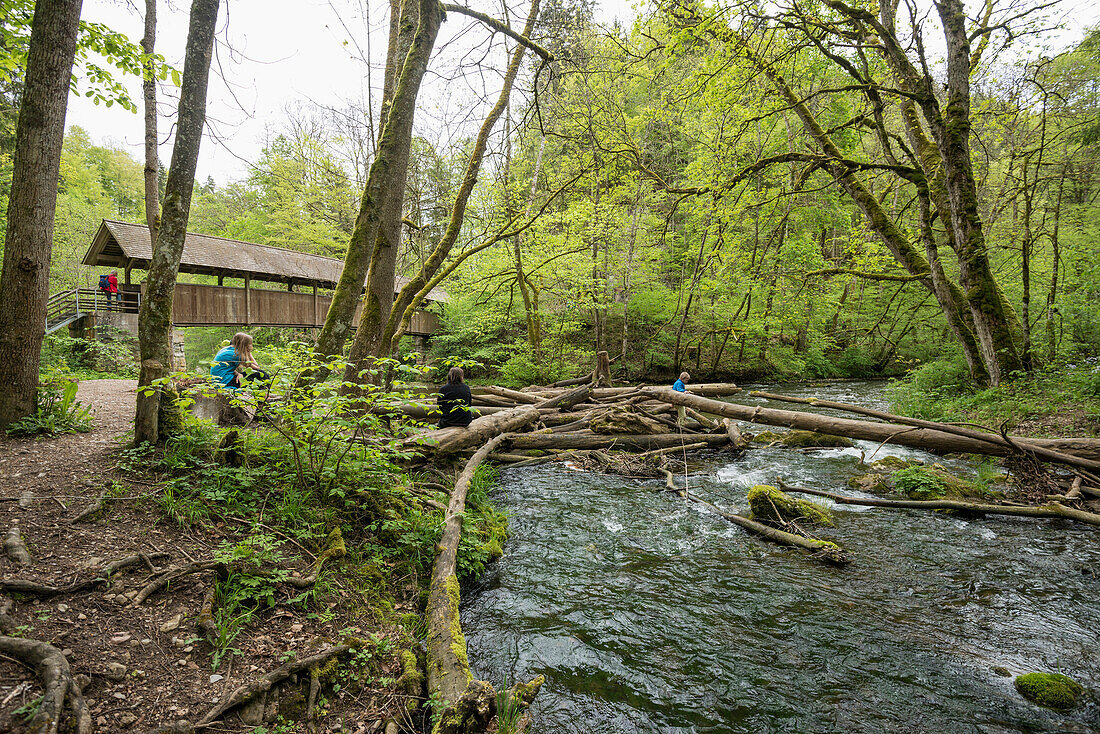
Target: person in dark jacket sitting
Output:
[(454, 401)]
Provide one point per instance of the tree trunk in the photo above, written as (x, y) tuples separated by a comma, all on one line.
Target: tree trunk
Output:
[(155, 316), (28, 241), (149, 93), (372, 250), (377, 326)]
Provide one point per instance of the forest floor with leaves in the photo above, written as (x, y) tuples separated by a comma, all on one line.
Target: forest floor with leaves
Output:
[(144, 666)]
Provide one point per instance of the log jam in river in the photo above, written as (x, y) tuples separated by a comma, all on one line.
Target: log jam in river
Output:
[(649, 614)]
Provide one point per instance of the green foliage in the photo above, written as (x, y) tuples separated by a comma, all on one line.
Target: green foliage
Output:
[(112, 355), (56, 410)]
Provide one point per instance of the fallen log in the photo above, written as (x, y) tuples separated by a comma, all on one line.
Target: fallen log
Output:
[(1022, 443), (736, 439), (448, 440), (566, 400), (449, 677), (821, 549), (1052, 510), (921, 438), (448, 668), (515, 395), (588, 440)]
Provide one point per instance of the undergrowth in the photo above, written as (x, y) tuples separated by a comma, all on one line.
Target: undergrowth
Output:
[(323, 466), (943, 391)]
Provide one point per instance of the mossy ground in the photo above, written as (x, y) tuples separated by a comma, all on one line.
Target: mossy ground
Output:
[(1051, 690), (770, 505)]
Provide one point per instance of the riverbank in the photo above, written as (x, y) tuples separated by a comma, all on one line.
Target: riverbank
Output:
[(242, 565), (1061, 400)]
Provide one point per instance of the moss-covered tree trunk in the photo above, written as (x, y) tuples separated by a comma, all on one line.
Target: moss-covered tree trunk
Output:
[(373, 248), (149, 95), (155, 316), (377, 338), (28, 240), (991, 320)]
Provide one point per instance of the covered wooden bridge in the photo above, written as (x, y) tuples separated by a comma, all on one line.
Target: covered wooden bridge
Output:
[(126, 247)]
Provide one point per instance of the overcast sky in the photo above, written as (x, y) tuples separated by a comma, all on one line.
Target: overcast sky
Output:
[(272, 54)]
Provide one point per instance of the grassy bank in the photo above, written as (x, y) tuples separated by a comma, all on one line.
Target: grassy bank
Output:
[(1057, 400)]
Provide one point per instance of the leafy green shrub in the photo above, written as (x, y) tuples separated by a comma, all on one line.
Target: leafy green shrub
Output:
[(56, 411), (920, 393)]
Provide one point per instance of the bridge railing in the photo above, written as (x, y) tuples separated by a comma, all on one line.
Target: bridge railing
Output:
[(68, 305)]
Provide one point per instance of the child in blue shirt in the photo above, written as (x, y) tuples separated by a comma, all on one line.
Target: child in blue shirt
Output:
[(230, 363)]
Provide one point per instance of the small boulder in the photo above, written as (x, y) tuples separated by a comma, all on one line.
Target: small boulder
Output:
[(872, 483), (889, 464), (935, 482), (772, 506), (1050, 690), (116, 671)]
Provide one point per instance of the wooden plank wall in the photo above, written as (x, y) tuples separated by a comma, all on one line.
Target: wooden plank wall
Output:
[(215, 305)]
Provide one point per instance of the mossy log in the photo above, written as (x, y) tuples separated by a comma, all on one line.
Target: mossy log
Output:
[(1053, 509), (448, 668), (589, 440), (449, 440), (921, 438), (1008, 444), (822, 549), (470, 704)]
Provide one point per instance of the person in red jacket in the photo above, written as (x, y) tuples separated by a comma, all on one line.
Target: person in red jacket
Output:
[(112, 287)]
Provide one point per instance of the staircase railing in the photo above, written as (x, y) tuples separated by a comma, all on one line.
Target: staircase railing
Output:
[(67, 306)]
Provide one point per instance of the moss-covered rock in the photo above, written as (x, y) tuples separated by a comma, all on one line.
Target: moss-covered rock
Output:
[(1051, 690), (934, 482), (873, 483), (767, 437), (810, 439), (889, 464), (770, 505)]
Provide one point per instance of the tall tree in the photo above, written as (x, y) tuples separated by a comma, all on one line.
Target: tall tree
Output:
[(28, 240), (155, 316), (149, 94)]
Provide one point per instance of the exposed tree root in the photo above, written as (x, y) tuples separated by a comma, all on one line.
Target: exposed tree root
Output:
[(263, 684), (60, 688), (1054, 509), (100, 576), (91, 511), (176, 572), (15, 548)]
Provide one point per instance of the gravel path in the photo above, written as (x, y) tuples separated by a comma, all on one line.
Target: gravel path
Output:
[(63, 464)]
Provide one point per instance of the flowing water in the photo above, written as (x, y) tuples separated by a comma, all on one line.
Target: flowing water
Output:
[(648, 614)]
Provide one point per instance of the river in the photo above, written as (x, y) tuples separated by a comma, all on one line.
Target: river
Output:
[(648, 614)]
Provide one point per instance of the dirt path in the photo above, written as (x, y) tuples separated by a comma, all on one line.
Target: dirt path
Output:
[(141, 666)]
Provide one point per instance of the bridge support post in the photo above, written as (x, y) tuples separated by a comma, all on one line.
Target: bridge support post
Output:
[(247, 300)]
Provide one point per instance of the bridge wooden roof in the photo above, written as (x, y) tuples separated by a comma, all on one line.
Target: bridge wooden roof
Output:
[(127, 245)]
